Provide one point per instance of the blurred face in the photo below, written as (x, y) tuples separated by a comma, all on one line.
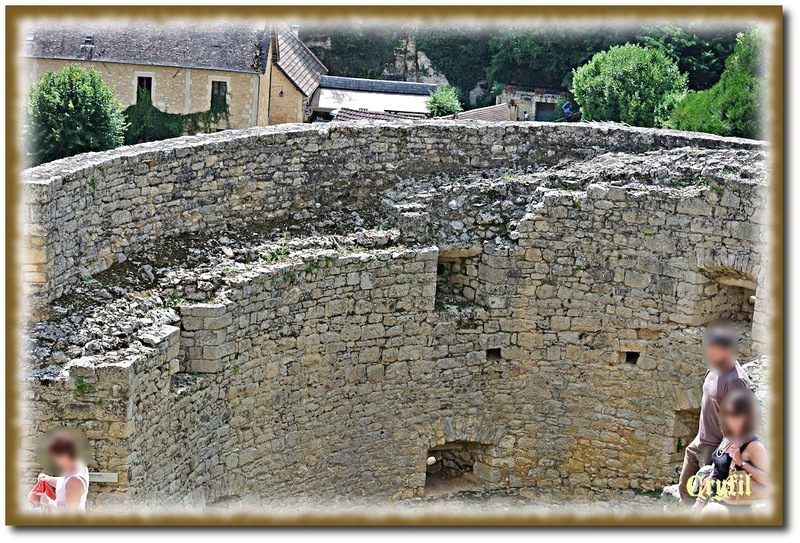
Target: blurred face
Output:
[(64, 461), (734, 422), (719, 357)]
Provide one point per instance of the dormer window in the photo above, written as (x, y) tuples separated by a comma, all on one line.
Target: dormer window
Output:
[(88, 40), (29, 37)]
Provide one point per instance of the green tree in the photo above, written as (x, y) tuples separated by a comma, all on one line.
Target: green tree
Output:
[(70, 112), (733, 106), (444, 101), (629, 83), (699, 52)]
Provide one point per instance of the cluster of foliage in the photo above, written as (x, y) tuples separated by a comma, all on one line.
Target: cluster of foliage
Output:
[(699, 53), (732, 107), (148, 123), (70, 112), (355, 50), (630, 84), (545, 58), (443, 101)]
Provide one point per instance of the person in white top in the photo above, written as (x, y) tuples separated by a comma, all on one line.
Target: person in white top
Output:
[(72, 486)]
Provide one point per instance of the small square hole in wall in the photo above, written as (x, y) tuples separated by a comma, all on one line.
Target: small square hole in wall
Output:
[(631, 357), (493, 354)]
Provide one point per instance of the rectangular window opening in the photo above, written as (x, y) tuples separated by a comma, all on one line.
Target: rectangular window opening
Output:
[(219, 95), (494, 354), (456, 278), (631, 357), (144, 88)]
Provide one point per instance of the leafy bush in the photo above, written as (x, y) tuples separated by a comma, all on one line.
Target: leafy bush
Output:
[(530, 55), (732, 107), (444, 101), (70, 112), (148, 123), (629, 83)]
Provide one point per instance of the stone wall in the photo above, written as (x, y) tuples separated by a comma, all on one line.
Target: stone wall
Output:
[(85, 211), (286, 102), (103, 400), (175, 90), (551, 321)]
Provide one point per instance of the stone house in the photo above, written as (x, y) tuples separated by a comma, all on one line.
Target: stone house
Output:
[(396, 97), (265, 73), (293, 73), (539, 103)]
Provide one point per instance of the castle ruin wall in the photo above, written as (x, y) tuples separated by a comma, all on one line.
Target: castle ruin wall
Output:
[(556, 326)]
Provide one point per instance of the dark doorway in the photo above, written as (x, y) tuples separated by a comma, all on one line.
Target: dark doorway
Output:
[(451, 467), (545, 111)]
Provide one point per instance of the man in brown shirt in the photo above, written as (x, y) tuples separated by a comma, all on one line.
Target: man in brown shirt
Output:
[(724, 375)]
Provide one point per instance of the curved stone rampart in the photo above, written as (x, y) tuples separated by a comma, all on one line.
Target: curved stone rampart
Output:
[(85, 211), (536, 293)]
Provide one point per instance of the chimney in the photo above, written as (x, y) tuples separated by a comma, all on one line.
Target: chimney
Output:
[(296, 30)]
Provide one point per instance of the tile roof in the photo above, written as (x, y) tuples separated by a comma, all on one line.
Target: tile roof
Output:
[(499, 112), (347, 114), (227, 46), (376, 85), (297, 61)]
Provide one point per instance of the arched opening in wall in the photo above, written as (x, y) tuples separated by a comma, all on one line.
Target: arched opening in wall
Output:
[(731, 298), (451, 467), (456, 278), (684, 430)]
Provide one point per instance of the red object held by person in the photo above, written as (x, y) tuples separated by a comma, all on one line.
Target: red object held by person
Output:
[(40, 488)]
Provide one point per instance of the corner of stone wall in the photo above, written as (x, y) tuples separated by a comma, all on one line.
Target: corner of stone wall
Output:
[(33, 258), (94, 400)]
